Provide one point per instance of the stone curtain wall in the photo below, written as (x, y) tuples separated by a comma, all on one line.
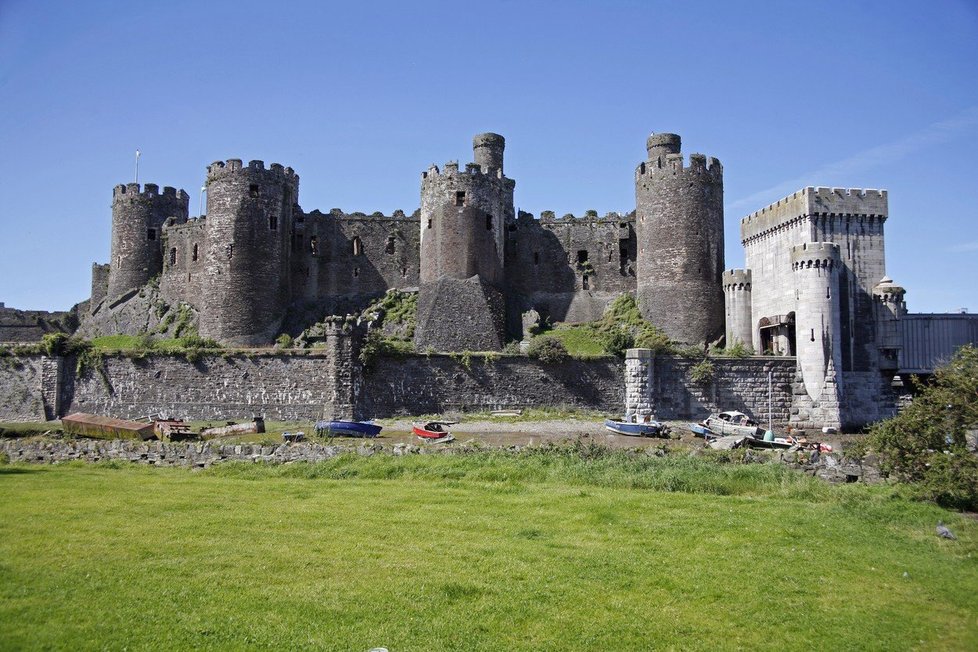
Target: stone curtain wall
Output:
[(276, 386), (662, 384), (440, 384), (21, 388)]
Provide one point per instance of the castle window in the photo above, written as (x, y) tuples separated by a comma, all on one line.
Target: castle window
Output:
[(536, 257), (828, 293), (314, 245), (404, 271), (229, 250), (253, 190), (195, 253), (429, 223), (273, 222), (356, 272), (173, 256), (813, 334), (581, 256), (488, 222), (460, 198), (357, 246), (390, 244), (151, 234)]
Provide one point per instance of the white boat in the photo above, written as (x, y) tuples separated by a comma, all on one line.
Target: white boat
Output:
[(733, 423)]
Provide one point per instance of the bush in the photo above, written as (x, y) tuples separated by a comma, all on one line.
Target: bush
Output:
[(284, 341), (618, 341), (702, 372), (547, 349), (925, 444)]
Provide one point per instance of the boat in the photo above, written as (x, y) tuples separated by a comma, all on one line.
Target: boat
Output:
[(337, 428), (699, 430), (433, 430), (633, 429), (733, 423)]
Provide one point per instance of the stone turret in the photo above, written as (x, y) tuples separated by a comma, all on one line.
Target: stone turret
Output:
[(889, 305), (737, 297), (138, 216), (463, 215), (249, 222), (679, 226), (815, 269)]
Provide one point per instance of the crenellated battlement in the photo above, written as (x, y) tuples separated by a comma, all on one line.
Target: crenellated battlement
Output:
[(816, 201), (222, 169), (357, 216), (815, 254), (588, 216), (736, 280), (149, 190), (676, 164), (451, 169)]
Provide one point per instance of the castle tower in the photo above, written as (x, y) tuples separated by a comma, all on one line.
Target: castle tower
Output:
[(815, 268), (737, 296), (889, 305), (463, 215), (249, 223), (137, 225), (679, 226)]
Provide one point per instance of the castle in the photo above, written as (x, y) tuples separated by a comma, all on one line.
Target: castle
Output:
[(257, 264)]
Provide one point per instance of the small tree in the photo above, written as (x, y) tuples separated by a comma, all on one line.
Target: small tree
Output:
[(925, 444)]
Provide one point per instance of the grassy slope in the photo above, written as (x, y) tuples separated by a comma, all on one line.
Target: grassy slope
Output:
[(483, 552)]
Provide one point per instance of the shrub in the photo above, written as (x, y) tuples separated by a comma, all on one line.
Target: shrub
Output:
[(547, 349), (925, 444), (737, 350), (284, 341), (618, 341), (702, 372)]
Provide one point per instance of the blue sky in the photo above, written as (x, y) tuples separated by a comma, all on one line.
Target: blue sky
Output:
[(360, 97)]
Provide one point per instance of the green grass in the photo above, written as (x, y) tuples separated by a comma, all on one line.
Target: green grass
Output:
[(580, 340), (562, 550)]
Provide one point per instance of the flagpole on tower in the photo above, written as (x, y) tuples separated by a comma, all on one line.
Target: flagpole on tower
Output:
[(137, 166)]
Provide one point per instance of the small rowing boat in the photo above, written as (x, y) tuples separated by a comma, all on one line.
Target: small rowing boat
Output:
[(337, 428), (642, 429)]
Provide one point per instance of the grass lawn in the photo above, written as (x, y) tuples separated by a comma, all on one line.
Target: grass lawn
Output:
[(481, 552)]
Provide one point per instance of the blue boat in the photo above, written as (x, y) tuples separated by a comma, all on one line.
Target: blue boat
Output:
[(700, 430), (646, 429), (347, 429)]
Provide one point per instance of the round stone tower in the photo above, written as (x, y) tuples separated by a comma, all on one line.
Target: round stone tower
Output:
[(679, 227), (815, 268), (463, 218), (737, 297), (137, 233), (249, 222)]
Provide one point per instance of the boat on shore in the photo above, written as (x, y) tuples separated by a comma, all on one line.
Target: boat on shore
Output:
[(337, 428), (732, 423), (635, 429), (433, 430)]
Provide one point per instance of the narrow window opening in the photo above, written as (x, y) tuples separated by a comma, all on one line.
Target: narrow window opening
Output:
[(390, 244), (314, 245), (173, 256), (828, 293), (357, 246), (488, 222), (429, 222), (813, 334), (585, 284), (404, 271), (229, 250), (460, 198), (273, 222), (151, 234), (356, 272), (253, 190), (195, 253), (581, 256), (536, 257)]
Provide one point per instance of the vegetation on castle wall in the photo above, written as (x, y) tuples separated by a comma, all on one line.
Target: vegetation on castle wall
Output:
[(547, 349), (926, 444)]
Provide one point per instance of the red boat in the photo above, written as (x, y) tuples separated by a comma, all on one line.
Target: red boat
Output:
[(432, 429)]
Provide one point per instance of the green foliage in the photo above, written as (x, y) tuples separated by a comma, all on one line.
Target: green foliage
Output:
[(651, 337), (547, 349), (703, 372), (737, 350), (54, 344), (376, 345), (284, 341), (184, 319), (925, 444), (397, 314), (689, 351), (617, 341)]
